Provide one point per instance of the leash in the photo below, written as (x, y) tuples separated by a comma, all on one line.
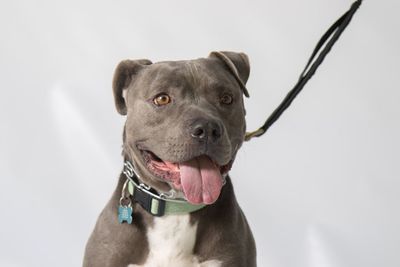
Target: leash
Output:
[(159, 205), (329, 38)]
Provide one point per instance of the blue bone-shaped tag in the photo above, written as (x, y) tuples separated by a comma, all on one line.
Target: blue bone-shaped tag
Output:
[(125, 214)]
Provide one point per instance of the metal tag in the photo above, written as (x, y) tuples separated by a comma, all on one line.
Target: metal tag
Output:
[(125, 214), (125, 208)]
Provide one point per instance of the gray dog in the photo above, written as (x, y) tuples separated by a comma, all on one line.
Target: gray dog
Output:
[(174, 204)]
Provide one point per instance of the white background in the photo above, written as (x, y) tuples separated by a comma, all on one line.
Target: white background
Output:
[(321, 189)]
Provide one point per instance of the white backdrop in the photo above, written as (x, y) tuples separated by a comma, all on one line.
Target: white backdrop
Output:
[(321, 189)]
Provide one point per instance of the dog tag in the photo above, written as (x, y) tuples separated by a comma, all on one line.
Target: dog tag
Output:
[(125, 209), (125, 214)]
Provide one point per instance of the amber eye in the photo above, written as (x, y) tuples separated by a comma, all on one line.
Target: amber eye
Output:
[(162, 99), (226, 99)]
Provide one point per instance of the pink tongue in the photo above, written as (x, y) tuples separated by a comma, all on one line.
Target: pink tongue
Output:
[(201, 180)]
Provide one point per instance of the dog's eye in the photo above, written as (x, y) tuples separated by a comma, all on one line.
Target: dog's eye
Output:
[(162, 99), (226, 99)]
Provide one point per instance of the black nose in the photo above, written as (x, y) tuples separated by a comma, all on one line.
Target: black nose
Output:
[(207, 130)]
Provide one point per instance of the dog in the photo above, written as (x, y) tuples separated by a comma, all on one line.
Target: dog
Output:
[(174, 204)]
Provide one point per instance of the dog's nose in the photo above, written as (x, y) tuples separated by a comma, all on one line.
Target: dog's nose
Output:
[(206, 130)]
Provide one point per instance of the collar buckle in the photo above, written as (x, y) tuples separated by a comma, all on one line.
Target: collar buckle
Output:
[(148, 201)]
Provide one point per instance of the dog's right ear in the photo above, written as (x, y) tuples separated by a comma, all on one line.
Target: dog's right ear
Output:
[(124, 74)]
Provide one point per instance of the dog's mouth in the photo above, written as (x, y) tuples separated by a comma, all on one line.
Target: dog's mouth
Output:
[(200, 178)]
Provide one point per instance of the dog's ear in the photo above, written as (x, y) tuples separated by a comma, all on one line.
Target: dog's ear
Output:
[(124, 74), (238, 64)]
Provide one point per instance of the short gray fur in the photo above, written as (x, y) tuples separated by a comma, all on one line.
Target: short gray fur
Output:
[(195, 87)]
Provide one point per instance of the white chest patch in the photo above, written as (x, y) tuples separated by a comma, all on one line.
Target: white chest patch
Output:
[(171, 242)]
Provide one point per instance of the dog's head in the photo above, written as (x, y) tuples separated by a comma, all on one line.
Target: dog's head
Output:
[(185, 120)]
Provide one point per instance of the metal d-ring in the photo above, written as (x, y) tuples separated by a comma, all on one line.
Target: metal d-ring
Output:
[(124, 195)]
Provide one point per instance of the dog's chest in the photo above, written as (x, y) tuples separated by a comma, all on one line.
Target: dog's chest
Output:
[(171, 242)]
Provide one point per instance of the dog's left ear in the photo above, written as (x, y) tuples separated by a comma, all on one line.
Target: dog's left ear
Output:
[(238, 64), (124, 74)]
